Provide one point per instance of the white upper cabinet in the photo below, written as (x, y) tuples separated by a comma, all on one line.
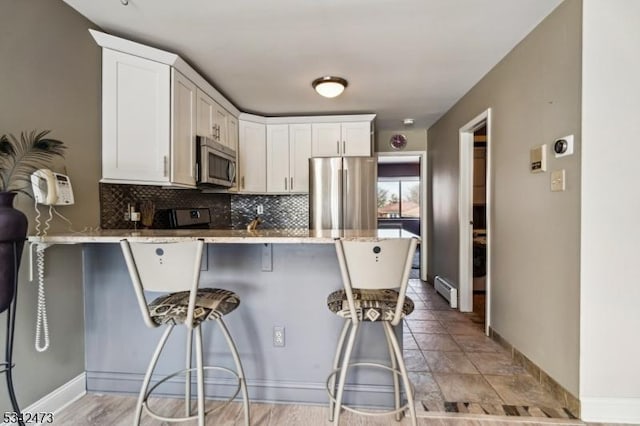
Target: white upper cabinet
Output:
[(278, 158), (232, 132), (183, 137), (148, 122), (252, 156), (356, 139), (288, 153), (204, 108), (220, 117), (299, 154), (347, 139), (215, 122)]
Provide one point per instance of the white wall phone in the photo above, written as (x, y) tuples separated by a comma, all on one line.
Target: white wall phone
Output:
[(52, 189)]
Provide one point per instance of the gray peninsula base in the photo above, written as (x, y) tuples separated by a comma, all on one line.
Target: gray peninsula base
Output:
[(292, 295)]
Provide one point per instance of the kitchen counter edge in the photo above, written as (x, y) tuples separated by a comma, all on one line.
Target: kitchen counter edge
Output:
[(266, 236)]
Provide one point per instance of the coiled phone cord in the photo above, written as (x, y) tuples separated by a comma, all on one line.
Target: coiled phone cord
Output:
[(42, 323)]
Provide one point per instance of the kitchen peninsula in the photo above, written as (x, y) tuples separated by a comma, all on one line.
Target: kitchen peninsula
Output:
[(282, 277)]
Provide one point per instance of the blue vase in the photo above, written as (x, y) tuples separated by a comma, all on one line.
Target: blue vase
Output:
[(13, 231)]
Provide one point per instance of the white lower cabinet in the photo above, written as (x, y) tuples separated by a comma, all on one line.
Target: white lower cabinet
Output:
[(252, 155), (148, 122), (288, 153)]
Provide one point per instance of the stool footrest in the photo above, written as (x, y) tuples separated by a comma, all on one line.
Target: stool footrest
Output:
[(332, 397), (195, 416)]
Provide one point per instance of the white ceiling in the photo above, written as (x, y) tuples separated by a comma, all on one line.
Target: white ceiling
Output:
[(402, 58)]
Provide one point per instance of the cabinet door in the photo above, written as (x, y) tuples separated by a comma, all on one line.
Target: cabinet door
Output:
[(135, 118), (232, 132), (183, 137), (356, 139), (299, 154), (326, 140), (220, 124), (204, 110), (278, 179), (252, 157)]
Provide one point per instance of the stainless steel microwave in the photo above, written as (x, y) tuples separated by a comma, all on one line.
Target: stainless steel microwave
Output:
[(216, 163)]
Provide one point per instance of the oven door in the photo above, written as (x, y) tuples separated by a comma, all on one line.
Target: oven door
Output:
[(216, 167)]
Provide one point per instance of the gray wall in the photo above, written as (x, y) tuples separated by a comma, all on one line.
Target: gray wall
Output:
[(50, 79), (534, 94), (416, 139)]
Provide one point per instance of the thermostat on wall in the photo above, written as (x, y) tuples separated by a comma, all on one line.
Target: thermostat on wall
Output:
[(538, 159), (563, 146)]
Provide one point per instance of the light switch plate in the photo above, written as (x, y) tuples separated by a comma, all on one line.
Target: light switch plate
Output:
[(557, 180), (538, 159)]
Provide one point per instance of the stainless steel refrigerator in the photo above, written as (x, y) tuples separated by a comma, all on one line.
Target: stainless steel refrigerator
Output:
[(342, 193)]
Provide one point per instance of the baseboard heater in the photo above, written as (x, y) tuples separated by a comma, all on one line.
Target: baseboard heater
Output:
[(447, 291)]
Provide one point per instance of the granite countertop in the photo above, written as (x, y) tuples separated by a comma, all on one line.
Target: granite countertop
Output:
[(220, 236)]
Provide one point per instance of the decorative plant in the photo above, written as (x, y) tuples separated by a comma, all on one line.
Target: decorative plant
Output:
[(20, 157)]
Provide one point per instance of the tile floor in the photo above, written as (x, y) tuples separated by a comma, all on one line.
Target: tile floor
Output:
[(451, 361)]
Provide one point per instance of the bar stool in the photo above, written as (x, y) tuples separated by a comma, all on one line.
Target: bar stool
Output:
[(375, 276), (175, 268)]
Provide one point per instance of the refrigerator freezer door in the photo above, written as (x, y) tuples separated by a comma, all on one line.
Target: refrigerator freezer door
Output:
[(359, 193), (325, 195)]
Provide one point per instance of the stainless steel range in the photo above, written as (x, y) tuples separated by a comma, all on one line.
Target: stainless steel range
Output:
[(189, 218)]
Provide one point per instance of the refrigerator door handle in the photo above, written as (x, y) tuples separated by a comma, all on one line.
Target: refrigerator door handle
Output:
[(345, 197)]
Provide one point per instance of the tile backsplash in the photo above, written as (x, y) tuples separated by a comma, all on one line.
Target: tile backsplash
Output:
[(279, 211), (115, 198), (227, 210)]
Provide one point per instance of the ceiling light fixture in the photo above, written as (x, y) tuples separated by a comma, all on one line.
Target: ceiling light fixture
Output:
[(124, 2), (408, 121), (329, 86)]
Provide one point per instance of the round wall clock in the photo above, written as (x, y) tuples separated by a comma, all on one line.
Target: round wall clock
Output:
[(398, 141)]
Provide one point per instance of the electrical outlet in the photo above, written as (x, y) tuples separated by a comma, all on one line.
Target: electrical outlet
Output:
[(278, 336), (260, 209)]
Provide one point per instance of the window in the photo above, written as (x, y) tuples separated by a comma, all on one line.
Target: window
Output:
[(398, 198)]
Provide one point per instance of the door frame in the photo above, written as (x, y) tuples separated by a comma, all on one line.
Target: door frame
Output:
[(465, 214), (423, 202)]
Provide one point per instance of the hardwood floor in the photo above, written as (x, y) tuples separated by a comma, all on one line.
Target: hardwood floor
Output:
[(116, 410)]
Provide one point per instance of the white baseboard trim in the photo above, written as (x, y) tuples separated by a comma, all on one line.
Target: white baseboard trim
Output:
[(60, 398), (610, 410)]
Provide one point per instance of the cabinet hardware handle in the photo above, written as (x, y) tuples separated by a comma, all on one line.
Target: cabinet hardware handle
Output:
[(197, 171), (242, 182), (165, 165), (285, 184), (338, 147), (344, 147), (291, 186)]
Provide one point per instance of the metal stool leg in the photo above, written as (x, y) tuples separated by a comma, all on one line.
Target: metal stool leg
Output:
[(403, 371), (336, 362), (142, 398), (396, 381), (239, 369), (200, 376), (343, 372), (187, 380)]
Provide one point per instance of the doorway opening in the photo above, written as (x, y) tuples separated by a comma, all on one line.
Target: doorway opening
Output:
[(474, 213), (402, 199), (479, 236)]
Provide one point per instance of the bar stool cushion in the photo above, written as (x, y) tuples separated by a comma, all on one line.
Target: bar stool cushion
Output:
[(211, 304), (371, 305)]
